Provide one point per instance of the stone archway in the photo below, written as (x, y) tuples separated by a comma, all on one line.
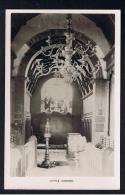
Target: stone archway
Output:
[(22, 67), (30, 67)]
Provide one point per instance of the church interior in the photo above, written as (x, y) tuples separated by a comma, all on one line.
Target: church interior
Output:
[(62, 94)]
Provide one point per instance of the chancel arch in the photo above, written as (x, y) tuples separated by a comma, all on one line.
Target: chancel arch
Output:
[(63, 102), (63, 73), (44, 55)]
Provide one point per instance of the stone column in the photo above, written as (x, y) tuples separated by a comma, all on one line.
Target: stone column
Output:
[(18, 109), (27, 115), (100, 110), (112, 102)]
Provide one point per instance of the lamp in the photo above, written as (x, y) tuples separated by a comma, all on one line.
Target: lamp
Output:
[(68, 68), (68, 57), (47, 163)]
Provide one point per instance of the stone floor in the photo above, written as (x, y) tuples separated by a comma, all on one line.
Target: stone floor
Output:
[(86, 163)]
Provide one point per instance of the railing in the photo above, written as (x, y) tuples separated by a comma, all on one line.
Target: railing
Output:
[(105, 142)]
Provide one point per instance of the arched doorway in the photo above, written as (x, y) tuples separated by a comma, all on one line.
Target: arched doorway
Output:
[(63, 103), (36, 62), (68, 55)]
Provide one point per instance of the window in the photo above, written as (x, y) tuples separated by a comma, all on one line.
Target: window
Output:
[(56, 96)]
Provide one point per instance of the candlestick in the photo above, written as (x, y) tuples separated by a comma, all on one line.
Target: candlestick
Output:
[(47, 163)]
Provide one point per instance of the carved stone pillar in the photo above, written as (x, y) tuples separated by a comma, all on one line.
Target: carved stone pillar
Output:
[(17, 123), (100, 110), (27, 115)]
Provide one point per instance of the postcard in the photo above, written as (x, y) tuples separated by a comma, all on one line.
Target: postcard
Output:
[(62, 99)]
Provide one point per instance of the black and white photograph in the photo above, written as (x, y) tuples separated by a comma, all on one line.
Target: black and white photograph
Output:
[(62, 99)]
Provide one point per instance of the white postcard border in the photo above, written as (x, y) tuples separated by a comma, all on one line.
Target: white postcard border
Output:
[(88, 183)]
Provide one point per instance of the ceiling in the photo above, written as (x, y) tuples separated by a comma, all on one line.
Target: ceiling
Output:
[(43, 64), (103, 21)]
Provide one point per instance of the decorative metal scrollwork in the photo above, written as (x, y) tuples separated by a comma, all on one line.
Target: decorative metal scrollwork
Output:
[(68, 61)]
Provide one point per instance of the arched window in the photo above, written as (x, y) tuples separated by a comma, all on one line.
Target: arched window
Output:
[(56, 96)]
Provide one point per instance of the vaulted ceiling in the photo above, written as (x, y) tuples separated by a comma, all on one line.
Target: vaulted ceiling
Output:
[(104, 21), (33, 30)]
